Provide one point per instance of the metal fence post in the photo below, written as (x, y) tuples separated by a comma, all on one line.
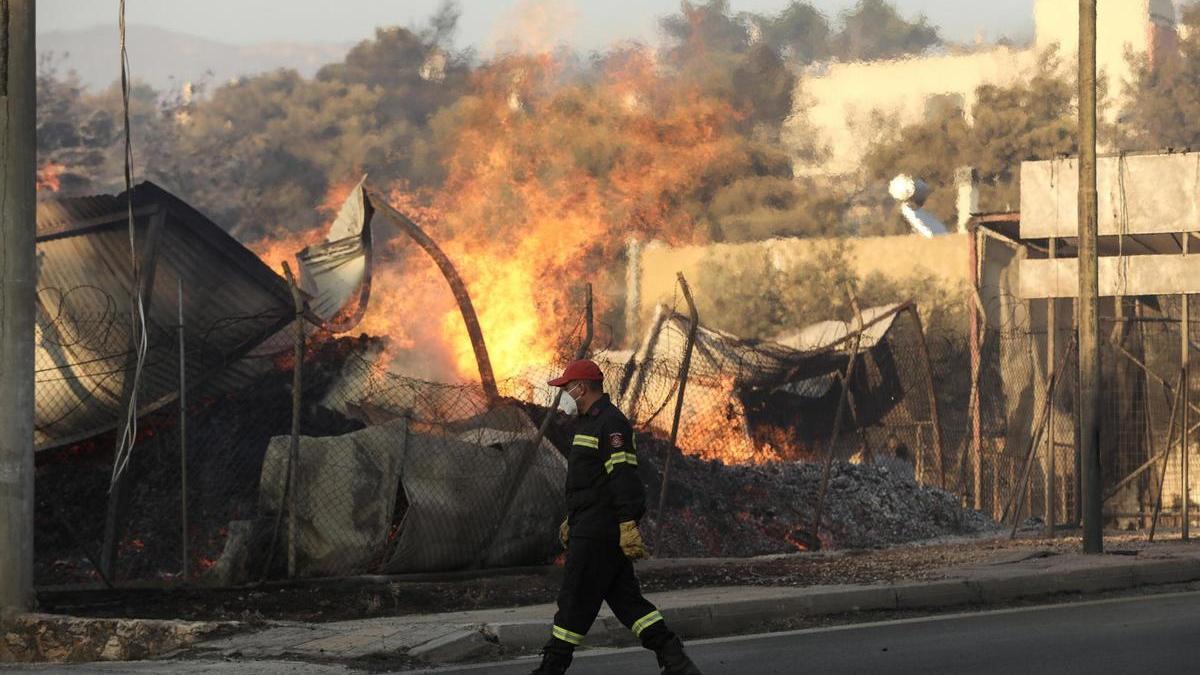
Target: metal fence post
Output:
[(294, 447), (684, 368), (183, 412)]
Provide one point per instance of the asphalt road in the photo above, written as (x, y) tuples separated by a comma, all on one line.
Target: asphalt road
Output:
[(1130, 635)]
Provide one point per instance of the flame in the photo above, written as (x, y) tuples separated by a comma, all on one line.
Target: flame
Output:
[(277, 248), (49, 177), (546, 178), (540, 197)]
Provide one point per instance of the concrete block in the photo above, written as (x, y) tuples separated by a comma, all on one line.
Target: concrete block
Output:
[(1012, 587), (1095, 579), (690, 622), (852, 599), (520, 634), (1172, 571), (460, 645), (947, 593)]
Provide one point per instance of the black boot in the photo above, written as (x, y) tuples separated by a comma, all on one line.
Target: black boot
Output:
[(673, 661), (553, 663)]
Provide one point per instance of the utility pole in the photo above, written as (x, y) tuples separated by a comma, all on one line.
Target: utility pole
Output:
[(1089, 287), (18, 279)]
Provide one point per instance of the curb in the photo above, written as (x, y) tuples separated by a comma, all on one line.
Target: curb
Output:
[(739, 616)]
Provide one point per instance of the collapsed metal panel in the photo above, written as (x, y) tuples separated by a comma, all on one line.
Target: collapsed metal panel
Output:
[(452, 479), (737, 387), (234, 306), (84, 351)]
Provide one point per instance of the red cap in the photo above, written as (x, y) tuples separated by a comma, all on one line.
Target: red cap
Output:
[(583, 369)]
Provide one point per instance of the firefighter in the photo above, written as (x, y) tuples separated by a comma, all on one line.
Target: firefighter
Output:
[(605, 501)]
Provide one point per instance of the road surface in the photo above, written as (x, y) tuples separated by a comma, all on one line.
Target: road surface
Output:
[(1143, 634), (1154, 633)]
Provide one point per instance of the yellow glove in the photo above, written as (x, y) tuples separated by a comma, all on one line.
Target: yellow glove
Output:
[(631, 541), (563, 530)]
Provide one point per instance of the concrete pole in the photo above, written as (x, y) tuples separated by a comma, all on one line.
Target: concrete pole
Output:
[(1089, 285), (18, 279)]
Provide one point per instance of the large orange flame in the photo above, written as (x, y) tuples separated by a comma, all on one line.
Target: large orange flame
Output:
[(547, 177)]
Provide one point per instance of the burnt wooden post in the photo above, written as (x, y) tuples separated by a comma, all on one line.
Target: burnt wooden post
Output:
[(847, 378), (935, 422), (684, 368), (975, 312), (1166, 455)]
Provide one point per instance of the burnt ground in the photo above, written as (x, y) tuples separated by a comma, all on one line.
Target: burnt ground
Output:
[(365, 597)]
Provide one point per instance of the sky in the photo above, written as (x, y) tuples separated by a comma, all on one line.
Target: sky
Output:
[(485, 24)]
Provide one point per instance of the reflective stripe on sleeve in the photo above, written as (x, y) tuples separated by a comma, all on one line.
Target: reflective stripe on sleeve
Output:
[(586, 441), (568, 636), (620, 458), (645, 622)]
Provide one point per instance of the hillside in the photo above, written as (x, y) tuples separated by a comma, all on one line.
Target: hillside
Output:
[(164, 58)]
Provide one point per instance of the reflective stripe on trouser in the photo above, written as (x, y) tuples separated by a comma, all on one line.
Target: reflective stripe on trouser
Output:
[(597, 572), (566, 635), (645, 622)]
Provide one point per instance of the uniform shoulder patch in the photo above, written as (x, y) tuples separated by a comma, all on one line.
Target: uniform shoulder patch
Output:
[(616, 440)]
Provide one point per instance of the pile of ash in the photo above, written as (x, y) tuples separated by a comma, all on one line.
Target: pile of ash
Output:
[(718, 510)]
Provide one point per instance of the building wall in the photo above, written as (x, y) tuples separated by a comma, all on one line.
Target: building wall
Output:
[(846, 97), (897, 257)]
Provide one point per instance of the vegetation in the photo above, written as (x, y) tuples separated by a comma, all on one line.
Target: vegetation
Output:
[(1028, 120), (260, 154), (1163, 101), (750, 295)]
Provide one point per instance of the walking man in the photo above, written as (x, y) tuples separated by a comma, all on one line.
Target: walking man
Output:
[(605, 501)]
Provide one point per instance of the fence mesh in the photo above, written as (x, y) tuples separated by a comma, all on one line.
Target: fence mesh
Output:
[(391, 474)]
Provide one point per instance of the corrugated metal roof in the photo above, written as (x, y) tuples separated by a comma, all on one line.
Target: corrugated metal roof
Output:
[(232, 303)]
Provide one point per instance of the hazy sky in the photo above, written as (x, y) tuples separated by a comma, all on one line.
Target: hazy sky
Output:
[(584, 23)]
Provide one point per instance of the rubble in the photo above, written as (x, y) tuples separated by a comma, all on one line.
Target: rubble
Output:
[(715, 510), (33, 638)]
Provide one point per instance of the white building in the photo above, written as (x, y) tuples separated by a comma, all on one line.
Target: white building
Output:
[(849, 101)]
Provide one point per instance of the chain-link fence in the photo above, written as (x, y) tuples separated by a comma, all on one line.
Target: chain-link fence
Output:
[(390, 474)]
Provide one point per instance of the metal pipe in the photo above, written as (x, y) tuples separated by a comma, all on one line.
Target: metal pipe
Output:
[(975, 309), (18, 279), (1089, 287), (487, 376)]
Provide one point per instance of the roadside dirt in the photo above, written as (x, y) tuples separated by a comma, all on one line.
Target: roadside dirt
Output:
[(337, 600)]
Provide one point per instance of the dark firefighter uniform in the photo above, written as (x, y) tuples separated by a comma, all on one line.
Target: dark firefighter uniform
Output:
[(603, 490)]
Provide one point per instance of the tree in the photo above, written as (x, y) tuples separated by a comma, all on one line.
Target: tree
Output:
[(1026, 121), (1162, 103), (800, 33), (875, 30)]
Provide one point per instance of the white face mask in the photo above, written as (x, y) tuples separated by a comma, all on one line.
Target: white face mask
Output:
[(572, 408)]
